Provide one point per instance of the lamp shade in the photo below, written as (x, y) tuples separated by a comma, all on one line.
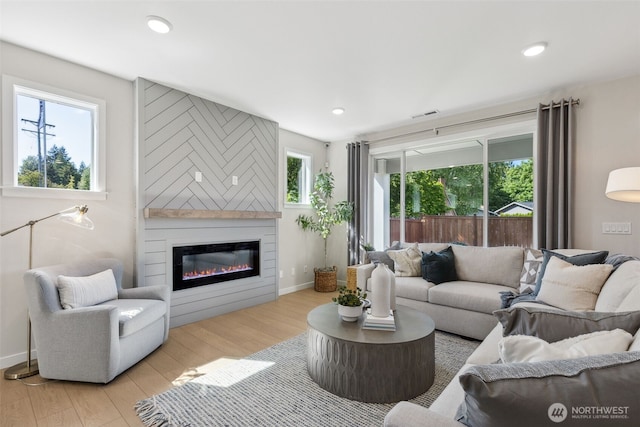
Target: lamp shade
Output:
[(77, 216), (624, 185)]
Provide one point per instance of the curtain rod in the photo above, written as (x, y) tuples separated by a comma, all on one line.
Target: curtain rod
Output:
[(485, 119)]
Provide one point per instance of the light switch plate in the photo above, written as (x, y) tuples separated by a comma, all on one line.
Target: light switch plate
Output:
[(616, 228)]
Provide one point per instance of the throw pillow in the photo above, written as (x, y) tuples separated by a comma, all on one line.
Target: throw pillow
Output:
[(554, 325), (581, 259), (522, 348), (532, 262), (572, 287), (535, 394), (380, 256), (86, 291), (439, 267), (407, 262)]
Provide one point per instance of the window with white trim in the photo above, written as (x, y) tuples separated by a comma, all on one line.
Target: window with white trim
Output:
[(55, 143), (298, 178)]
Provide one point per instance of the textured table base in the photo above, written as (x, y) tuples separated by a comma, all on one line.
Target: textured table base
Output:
[(374, 373)]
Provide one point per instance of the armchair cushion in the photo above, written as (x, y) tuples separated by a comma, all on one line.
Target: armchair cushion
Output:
[(135, 314), (86, 291)]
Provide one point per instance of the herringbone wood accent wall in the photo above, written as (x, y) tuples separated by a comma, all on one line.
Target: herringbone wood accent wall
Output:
[(179, 135), (185, 134)]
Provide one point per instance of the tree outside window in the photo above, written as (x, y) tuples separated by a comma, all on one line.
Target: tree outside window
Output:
[(55, 141)]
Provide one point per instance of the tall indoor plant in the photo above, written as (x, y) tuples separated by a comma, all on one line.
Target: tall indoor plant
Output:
[(325, 217)]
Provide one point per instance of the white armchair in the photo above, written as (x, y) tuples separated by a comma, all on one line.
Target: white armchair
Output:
[(98, 342)]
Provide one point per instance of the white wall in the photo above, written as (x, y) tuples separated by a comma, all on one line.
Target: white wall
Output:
[(298, 248), (114, 233), (608, 135)]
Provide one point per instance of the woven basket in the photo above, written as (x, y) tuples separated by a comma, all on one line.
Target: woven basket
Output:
[(326, 280)]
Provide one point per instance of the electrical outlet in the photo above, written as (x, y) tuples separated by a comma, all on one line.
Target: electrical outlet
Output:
[(281, 274), (234, 180), (306, 270), (293, 271), (198, 176)]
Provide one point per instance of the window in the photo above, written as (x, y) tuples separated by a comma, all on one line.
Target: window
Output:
[(477, 191), (56, 141), (298, 179)]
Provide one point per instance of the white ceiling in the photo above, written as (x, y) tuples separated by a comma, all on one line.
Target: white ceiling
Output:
[(383, 61)]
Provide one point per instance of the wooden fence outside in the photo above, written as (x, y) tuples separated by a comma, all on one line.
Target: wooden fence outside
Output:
[(503, 231)]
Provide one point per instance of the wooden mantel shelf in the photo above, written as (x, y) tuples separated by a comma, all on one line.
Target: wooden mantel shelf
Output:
[(207, 214)]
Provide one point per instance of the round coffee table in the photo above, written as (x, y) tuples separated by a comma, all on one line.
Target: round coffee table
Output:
[(368, 365)]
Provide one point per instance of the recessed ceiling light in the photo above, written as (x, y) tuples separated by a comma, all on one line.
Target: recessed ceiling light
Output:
[(158, 24), (337, 111), (534, 49)]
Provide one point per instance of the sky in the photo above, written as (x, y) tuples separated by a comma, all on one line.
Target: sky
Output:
[(73, 129)]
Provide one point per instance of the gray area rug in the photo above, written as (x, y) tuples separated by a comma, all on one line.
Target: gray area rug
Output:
[(272, 388)]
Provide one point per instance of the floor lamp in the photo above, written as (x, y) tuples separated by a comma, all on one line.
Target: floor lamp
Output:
[(77, 216)]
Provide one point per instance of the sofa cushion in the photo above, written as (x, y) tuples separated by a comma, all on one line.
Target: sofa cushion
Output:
[(572, 287), (86, 291), (380, 256), (533, 394), (523, 348), (439, 267), (407, 262), (584, 258), (473, 296), (415, 288), (621, 291), (498, 266), (553, 324), (135, 314), (532, 262)]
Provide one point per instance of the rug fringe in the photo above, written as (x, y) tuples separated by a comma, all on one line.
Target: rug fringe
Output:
[(150, 416)]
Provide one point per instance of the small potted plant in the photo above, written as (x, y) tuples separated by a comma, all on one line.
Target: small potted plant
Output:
[(349, 303)]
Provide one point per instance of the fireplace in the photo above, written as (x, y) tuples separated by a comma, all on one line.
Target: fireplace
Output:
[(199, 265)]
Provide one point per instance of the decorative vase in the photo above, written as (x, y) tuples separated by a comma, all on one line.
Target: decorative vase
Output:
[(380, 291), (350, 313), (392, 287)]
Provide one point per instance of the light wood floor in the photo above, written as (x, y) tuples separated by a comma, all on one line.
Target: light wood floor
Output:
[(192, 348)]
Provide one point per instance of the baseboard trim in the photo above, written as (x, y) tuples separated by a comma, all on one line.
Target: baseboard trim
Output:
[(307, 285)]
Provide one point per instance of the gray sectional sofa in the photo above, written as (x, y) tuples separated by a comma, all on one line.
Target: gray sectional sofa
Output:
[(589, 390), (464, 306)]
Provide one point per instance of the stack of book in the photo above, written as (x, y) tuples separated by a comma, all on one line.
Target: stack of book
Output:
[(379, 323)]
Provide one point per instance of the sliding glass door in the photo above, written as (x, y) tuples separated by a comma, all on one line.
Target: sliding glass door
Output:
[(475, 191)]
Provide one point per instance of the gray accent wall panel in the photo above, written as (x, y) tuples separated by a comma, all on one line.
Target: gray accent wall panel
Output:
[(180, 134), (184, 134)]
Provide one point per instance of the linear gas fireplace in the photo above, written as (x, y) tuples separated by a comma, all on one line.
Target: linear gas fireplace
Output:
[(199, 265)]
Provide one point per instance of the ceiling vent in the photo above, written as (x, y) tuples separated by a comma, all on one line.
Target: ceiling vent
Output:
[(428, 113)]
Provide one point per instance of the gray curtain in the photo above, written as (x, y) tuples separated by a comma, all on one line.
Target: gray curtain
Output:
[(554, 175), (357, 190)]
